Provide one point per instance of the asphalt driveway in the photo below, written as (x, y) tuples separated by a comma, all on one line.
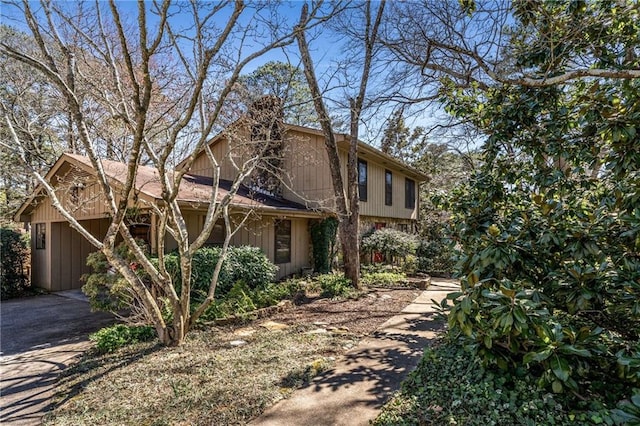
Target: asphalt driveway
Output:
[(40, 336)]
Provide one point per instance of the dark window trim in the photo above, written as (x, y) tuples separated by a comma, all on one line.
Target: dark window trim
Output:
[(41, 236), (362, 186), (388, 188), (280, 238), (409, 193)]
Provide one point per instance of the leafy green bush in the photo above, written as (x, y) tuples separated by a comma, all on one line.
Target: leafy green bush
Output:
[(435, 256), (242, 300), (247, 264), (450, 386), (108, 339), (382, 279), (13, 256), (392, 243), (335, 285), (106, 289)]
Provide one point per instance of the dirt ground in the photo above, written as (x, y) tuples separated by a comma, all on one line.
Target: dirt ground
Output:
[(360, 316)]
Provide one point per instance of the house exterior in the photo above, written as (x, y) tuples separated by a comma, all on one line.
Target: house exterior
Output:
[(278, 223)]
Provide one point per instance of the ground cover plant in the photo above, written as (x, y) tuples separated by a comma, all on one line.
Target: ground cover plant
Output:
[(450, 386)]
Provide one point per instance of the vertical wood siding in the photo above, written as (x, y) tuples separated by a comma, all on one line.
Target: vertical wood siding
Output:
[(69, 251)]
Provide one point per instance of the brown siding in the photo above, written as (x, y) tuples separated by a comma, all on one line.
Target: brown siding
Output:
[(202, 165), (69, 251), (40, 259), (374, 206), (307, 177), (308, 181), (259, 233)]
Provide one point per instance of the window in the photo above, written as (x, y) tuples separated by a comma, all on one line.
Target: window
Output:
[(388, 188), (283, 241), (216, 238), (409, 193), (41, 235), (362, 180)]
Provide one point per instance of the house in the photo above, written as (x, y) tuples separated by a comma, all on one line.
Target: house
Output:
[(280, 219)]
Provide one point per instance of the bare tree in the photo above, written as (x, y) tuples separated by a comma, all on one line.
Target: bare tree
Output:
[(347, 199), (151, 79)]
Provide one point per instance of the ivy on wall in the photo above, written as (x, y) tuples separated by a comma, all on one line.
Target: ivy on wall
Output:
[(323, 237)]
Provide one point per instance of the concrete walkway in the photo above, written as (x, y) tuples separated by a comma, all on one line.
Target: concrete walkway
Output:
[(353, 392)]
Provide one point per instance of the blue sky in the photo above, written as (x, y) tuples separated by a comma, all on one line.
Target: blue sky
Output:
[(326, 49)]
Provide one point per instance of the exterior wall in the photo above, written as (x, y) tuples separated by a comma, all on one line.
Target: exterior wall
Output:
[(260, 232), (62, 262), (374, 206), (41, 258), (202, 165), (307, 177), (88, 204)]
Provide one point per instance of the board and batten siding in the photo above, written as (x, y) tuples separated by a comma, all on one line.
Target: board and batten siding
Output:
[(260, 232), (375, 206), (307, 176)]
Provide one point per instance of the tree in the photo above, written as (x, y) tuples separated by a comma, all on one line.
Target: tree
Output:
[(153, 78), (35, 110), (288, 83), (549, 226), (346, 199)]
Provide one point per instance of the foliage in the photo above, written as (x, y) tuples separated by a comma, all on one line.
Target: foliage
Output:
[(287, 83), (108, 339), (392, 243), (323, 238), (247, 264), (435, 256), (242, 300), (106, 289), (482, 396), (14, 254), (549, 227), (334, 285), (382, 279)]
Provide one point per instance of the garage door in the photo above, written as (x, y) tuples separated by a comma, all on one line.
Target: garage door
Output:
[(69, 251)]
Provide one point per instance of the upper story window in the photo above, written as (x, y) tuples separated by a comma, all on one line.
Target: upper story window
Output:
[(41, 235), (362, 180), (409, 193), (388, 188), (283, 241)]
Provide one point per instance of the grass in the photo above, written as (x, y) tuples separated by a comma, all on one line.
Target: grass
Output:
[(206, 381)]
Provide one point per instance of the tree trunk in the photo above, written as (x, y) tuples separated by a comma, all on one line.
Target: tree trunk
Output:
[(349, 239)]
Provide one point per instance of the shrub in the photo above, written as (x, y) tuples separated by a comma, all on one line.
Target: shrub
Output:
[(247, 264), (13, 256), (382, 279), (485, 396), (335, 285), (323, 237), (106, 289), (108, 339), (392, 243), (435, 256), (241, 299)]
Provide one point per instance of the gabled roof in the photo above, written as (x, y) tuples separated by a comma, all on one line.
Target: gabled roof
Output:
[(193, 190)]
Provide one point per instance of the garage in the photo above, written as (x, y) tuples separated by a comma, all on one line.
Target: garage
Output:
[(69, 251)]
